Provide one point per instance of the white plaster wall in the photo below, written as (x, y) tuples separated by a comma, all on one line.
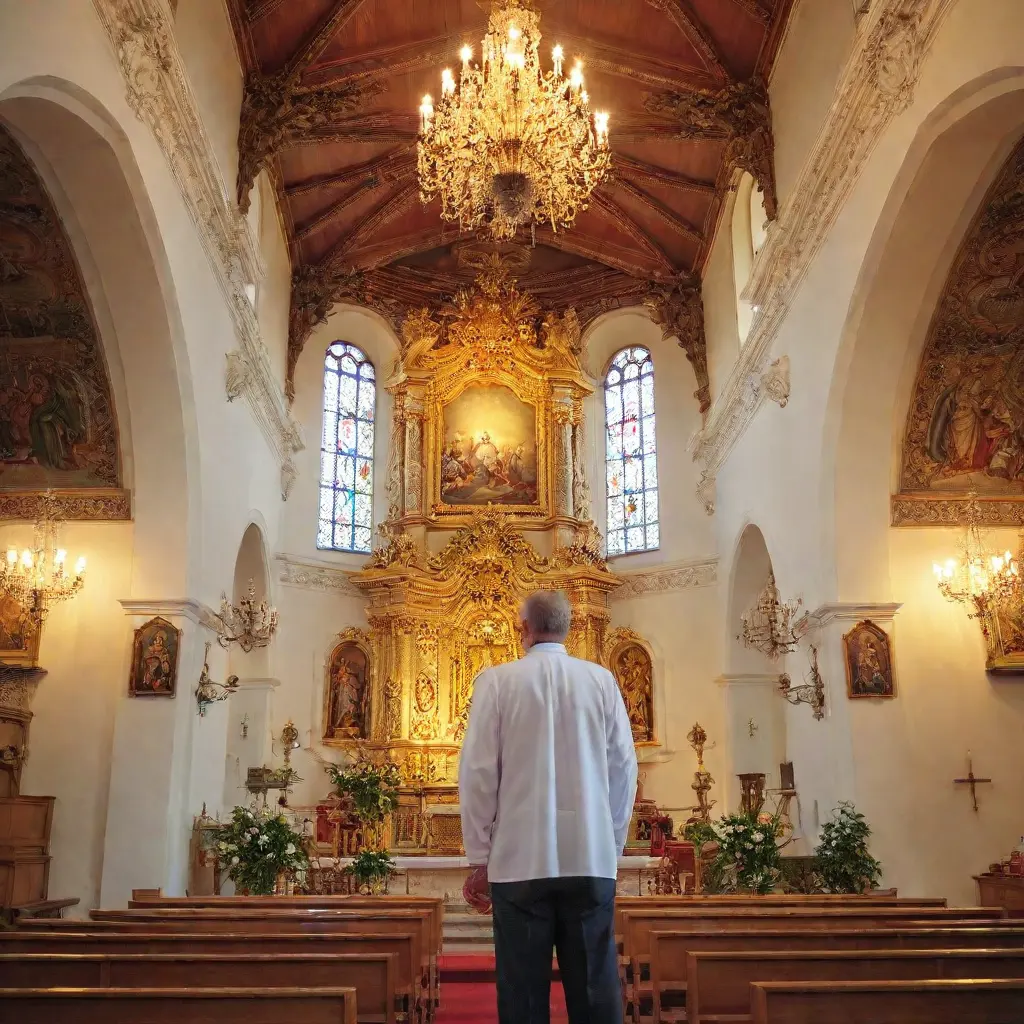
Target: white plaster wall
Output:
[(816, 476), (721, 311), (199, 469), (685, 531)]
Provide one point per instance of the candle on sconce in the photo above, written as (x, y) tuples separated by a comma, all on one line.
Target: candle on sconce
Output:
[(558, 55), (447, 83), (576, 76), (426, 112), (467, 55)]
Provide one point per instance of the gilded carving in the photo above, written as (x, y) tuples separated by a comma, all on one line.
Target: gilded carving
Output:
[(348, 689), (425, 723), (392, 728), (630, 661), (965, 427)]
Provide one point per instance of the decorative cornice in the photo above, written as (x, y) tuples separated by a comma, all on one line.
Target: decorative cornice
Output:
[(850, 612), (158, 91), (678, 309), (919, 510), (93, 504), (877, 86), (666, 578), (749, 679), (181, 608), (311, 575)]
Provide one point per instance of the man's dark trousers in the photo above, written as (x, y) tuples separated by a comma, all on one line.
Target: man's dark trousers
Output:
[(574, 917)]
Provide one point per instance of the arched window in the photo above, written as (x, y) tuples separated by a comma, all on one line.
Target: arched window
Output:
[(346, 450), (631, 459)]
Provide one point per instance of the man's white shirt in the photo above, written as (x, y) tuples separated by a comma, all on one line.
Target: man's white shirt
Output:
[(548, 771)]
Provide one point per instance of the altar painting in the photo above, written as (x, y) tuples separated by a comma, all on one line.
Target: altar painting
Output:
[(347, 713), (19, 634), (965, 427), (489, 453)]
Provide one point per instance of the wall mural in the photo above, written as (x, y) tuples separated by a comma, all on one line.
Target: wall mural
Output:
[(490, 450), (57, 425), (965, 429)]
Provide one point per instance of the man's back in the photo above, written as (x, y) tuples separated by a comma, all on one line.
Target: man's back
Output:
[(548, 769)]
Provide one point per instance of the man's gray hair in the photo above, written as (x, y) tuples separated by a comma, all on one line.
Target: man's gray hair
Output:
[(548, 614)]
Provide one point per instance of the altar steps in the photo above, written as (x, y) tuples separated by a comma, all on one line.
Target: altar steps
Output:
[(465, 931)]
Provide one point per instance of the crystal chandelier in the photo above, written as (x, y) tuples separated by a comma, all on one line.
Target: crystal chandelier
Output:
[(38, 577), (769, 625), (978, 579), (512, 144), (250, 624)]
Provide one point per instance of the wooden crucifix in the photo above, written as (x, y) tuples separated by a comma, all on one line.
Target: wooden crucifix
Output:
[(971, 780)]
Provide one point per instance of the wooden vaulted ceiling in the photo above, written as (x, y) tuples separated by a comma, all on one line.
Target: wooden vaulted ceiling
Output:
[(331, 110)]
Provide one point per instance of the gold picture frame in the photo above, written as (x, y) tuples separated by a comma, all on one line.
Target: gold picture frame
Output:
[(869, 661)]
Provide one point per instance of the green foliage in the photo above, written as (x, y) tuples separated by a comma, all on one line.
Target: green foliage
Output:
[(748, 856), (371, 866), (257, 845), (373, 789), (844, 863), (700, 833)]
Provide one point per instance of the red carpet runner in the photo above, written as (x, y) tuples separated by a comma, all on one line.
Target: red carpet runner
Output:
[(468, 995)]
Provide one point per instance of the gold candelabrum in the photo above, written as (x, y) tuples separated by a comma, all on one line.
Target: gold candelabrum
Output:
[(510, 144), (702, 780), (250, 623)]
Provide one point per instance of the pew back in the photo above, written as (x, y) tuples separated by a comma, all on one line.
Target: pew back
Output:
[(984, 1001), (372, 976), (719, 983), (173, 1006)]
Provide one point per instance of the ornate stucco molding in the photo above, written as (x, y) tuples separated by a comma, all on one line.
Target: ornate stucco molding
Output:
[(877, 86), (851, 611), (666, 578), (158, 91), (185, 607), (931, 510), (97, 504), (310, 575)]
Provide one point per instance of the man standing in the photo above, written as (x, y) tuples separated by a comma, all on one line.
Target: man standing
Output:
[(547, 780)]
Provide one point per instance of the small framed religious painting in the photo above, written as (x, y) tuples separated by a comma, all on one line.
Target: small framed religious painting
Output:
[(154, 671), (870, 672)]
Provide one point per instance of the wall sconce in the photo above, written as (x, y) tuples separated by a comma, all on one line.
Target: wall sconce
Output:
[(250, 624), (208, 692), (811, 692)]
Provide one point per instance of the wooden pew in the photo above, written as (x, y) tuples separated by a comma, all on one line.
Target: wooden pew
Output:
[(110, 942), (983, 1001), (372, 976), (670, 950), (719, 983), (314, 921), (175, 1006), (153, 899), (637, 925)]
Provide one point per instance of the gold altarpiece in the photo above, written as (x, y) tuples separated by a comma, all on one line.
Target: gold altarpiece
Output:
[(444, 590)]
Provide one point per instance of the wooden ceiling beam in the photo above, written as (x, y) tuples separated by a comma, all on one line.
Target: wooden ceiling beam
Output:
[(258, 9), (377, 128), (389, 167), (320, 38), (386, 60), (605, 253), (758, 9), (660, 210), (625, 166), (335, 210), (685, 18), (621, 62), (377, 218), (622, 220), (390, 250)]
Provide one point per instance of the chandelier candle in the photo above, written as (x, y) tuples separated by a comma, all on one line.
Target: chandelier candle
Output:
[(510, 144)]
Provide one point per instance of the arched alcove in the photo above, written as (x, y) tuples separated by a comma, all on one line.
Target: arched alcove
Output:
[(945, 703), (89, 172)]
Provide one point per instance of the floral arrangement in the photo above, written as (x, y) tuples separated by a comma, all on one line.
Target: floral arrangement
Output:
[(372, 789), (748, 851), (371, 869), (843, 861), (258, 845)]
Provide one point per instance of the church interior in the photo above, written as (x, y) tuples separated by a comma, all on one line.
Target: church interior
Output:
[(332, 329)]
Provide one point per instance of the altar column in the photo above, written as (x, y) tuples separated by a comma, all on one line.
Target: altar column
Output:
[(166, 761)]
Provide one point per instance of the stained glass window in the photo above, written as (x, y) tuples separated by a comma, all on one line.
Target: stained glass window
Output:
[(631, 465), (346, 451)]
